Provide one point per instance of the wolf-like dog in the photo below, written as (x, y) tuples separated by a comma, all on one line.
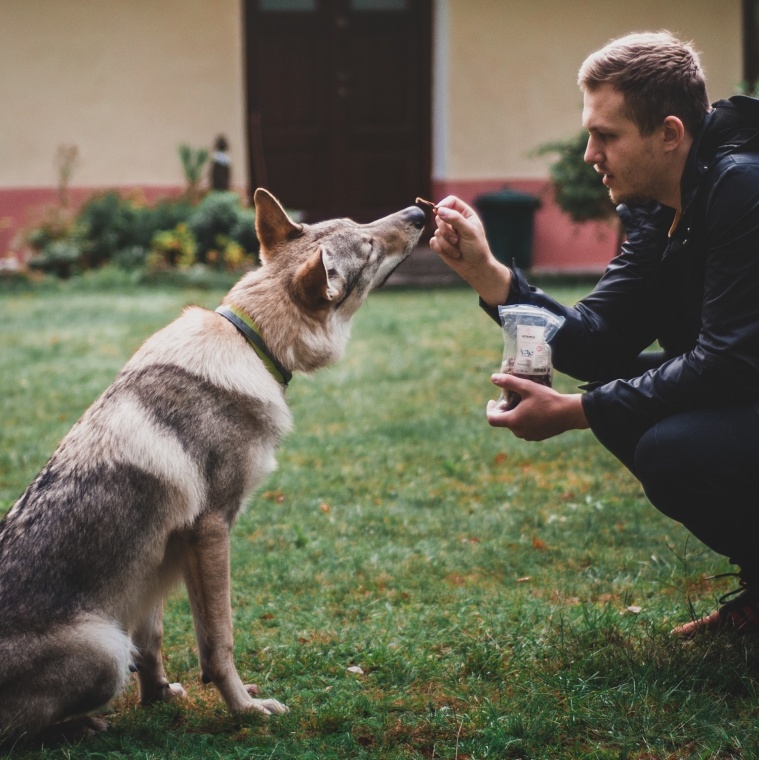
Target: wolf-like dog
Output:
[(144, 489)]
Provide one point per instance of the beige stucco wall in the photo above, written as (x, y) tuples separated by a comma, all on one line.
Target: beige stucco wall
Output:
[(506, 71), (126, 81)]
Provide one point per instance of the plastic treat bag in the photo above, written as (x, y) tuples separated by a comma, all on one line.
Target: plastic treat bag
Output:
[(526, 353)]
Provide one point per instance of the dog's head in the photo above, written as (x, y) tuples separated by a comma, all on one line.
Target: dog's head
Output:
[(333, 265), (314, 277)]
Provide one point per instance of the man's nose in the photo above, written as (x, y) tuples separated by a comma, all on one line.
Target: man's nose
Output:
[(592, 153)]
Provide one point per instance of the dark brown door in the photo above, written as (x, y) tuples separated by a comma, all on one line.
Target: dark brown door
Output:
[(339, 96)]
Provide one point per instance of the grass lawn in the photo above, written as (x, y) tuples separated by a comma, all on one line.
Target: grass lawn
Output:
[(501, 599)]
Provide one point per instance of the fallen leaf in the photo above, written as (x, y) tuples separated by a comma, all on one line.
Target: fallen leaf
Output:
[(355, 669)]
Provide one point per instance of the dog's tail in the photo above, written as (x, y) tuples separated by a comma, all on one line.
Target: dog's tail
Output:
[(67, 671)]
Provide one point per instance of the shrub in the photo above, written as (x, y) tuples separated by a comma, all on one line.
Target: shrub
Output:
[(60, 257), (218, 232), (578, 188), (106, 225), (53, 242), (218, 220), (172, 249)]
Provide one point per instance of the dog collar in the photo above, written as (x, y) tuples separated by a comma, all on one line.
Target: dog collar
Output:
[(248, 328)]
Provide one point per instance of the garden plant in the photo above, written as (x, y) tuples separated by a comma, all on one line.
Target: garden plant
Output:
[(196, 230)]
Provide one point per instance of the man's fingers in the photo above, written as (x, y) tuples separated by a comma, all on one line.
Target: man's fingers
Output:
[(511, 382), (445, 249), (445, 244), (498, 415), (455, 203)]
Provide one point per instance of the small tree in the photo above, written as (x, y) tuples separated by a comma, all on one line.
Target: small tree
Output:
[(66, 160), (578, 188), (193, 160)]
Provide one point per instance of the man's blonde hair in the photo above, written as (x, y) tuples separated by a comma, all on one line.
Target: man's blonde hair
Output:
[(658, 74)]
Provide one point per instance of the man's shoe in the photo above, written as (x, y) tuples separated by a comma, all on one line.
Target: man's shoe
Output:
[(740, 614)]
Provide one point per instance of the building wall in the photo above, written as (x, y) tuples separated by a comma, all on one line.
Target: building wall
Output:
[(512, 71), (127, 82), (506, 83)]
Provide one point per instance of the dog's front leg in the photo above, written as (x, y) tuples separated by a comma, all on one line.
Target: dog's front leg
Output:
[(148, 637), (206, 571)]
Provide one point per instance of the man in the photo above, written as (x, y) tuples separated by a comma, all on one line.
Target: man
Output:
[(684, 420)]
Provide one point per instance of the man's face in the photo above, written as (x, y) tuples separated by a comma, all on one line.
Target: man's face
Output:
[(628, 161)]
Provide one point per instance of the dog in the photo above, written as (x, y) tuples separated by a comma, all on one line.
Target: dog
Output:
[(143, 491)]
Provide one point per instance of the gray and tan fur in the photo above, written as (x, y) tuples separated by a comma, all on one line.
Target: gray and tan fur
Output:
[(144, 489)]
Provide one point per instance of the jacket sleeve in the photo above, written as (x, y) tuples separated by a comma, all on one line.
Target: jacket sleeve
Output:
[(605, 333), (723, 366)]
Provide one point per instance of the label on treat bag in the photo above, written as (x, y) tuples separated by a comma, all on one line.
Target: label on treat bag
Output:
[(532, 353)]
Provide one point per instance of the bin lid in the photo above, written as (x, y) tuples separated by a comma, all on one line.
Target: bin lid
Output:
[(506, 196)]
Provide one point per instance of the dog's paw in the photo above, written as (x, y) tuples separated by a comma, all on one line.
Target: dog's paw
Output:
[(268, 706), (175, 691), (74, 730), (93, 725), (161, 692)]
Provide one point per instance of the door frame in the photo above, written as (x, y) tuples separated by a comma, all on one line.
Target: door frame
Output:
[(256, 159)]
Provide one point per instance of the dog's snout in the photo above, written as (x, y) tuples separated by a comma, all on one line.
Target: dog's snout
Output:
[(416, 216)]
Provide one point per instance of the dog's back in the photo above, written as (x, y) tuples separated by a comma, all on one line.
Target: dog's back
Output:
[(188, 425)]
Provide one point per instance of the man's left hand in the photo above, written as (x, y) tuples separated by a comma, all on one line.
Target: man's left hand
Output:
[(542, 412)]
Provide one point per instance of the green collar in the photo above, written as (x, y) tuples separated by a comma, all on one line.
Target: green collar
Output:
[(248, 328)]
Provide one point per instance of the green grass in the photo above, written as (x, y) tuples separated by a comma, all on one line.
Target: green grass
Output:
[(482, 584)]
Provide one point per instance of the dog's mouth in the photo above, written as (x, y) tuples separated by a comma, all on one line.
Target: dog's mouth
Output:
[(392, 269), (393, 261), (389, 273), (410, 228)]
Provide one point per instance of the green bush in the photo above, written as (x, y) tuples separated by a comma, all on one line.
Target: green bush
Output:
[(172, 249), (218, 220), (60, 257), (578, 188), (111, 229), (106, 225)]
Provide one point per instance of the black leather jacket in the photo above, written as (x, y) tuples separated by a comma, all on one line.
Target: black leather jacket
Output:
[(696, 294)]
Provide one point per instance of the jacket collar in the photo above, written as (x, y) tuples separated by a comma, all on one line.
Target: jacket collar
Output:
[(732, 126)]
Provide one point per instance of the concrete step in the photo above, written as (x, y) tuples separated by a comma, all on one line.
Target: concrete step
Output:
[(424, 269)]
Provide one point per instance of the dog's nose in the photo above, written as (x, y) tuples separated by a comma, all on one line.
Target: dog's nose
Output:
[(416, 216)]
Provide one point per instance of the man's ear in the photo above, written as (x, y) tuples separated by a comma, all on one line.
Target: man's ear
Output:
[(273, 225), (317, 281), (674, 132)]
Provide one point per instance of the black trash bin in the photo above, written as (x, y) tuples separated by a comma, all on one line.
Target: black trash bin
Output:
[(507, 216)]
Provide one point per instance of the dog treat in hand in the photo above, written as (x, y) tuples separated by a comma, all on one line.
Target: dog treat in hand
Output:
[(526, 353), (426, 204)]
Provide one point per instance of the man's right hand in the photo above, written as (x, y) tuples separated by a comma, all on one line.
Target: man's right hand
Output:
[(460, 241)]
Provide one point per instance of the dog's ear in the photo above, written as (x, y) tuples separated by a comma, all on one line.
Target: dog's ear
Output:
[(273, 225), (317, 281)]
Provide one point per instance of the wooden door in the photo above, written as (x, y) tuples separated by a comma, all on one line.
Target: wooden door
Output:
[(339, 96)]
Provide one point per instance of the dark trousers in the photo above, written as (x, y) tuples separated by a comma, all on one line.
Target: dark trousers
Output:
[(701, 468)]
